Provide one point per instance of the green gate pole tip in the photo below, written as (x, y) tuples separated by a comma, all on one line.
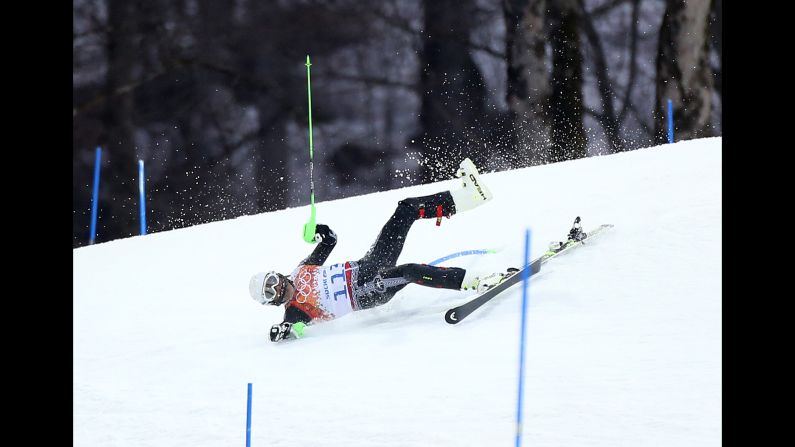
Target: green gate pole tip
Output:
[(310, 227)]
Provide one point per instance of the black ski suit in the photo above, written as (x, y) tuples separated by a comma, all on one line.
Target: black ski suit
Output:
[(375, 279)]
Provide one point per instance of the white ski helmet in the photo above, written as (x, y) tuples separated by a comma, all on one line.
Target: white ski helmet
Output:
[(263, 287)]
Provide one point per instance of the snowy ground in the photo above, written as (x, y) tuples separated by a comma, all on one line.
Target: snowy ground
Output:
[(624, 335)]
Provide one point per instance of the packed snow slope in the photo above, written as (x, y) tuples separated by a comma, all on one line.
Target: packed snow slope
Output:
[(623, 335)]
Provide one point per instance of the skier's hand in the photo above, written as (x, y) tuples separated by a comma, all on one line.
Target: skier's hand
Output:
[(324, 234), (287, 330), (280, 331)]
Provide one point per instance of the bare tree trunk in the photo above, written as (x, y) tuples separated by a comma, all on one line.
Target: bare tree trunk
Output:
[(633, 61), (717, 41), (119, 188), (271, 158), (528, 87), (607, 118), (453, 92), (683, 71), (568, 133)]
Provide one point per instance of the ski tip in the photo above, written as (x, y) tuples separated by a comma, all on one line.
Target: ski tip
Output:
[(451, 317)]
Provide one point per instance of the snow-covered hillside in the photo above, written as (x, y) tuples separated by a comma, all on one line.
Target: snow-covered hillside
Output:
[(624, 335)]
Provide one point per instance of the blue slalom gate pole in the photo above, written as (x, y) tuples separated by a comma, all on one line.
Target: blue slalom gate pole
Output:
[(248, 418), (670, 121), (525, 283), (143, 197), (95, 197)]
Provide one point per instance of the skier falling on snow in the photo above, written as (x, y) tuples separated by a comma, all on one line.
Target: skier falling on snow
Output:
[(313, 292)]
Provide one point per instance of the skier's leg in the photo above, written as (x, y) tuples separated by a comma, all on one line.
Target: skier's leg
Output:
[(385, 286), (389, 244), (428, 275)]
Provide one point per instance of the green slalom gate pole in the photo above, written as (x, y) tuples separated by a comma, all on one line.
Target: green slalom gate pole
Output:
[(309, 227)]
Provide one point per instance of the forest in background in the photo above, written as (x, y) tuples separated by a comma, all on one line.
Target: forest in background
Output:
[(212, 95)]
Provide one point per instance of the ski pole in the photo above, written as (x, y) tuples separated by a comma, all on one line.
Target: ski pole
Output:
[(309, 227)]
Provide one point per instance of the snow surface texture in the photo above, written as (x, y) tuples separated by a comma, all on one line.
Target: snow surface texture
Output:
[(623, 335)]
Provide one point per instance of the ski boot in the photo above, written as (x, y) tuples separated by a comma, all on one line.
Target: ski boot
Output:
[(484, 283), (473, 192)]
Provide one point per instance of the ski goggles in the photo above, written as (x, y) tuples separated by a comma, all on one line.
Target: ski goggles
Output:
[(272, 279)]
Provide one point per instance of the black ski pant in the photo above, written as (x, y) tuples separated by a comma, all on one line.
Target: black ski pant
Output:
[(380, 260)]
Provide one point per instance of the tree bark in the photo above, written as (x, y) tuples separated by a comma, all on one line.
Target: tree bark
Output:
[(717, 41), (119, 192), (453, 91), (683, 71), (528, 84), (568, 132), (607, 118)]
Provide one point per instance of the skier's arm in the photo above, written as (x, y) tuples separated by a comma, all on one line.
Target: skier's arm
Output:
[(327, 239), (293, 326)]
